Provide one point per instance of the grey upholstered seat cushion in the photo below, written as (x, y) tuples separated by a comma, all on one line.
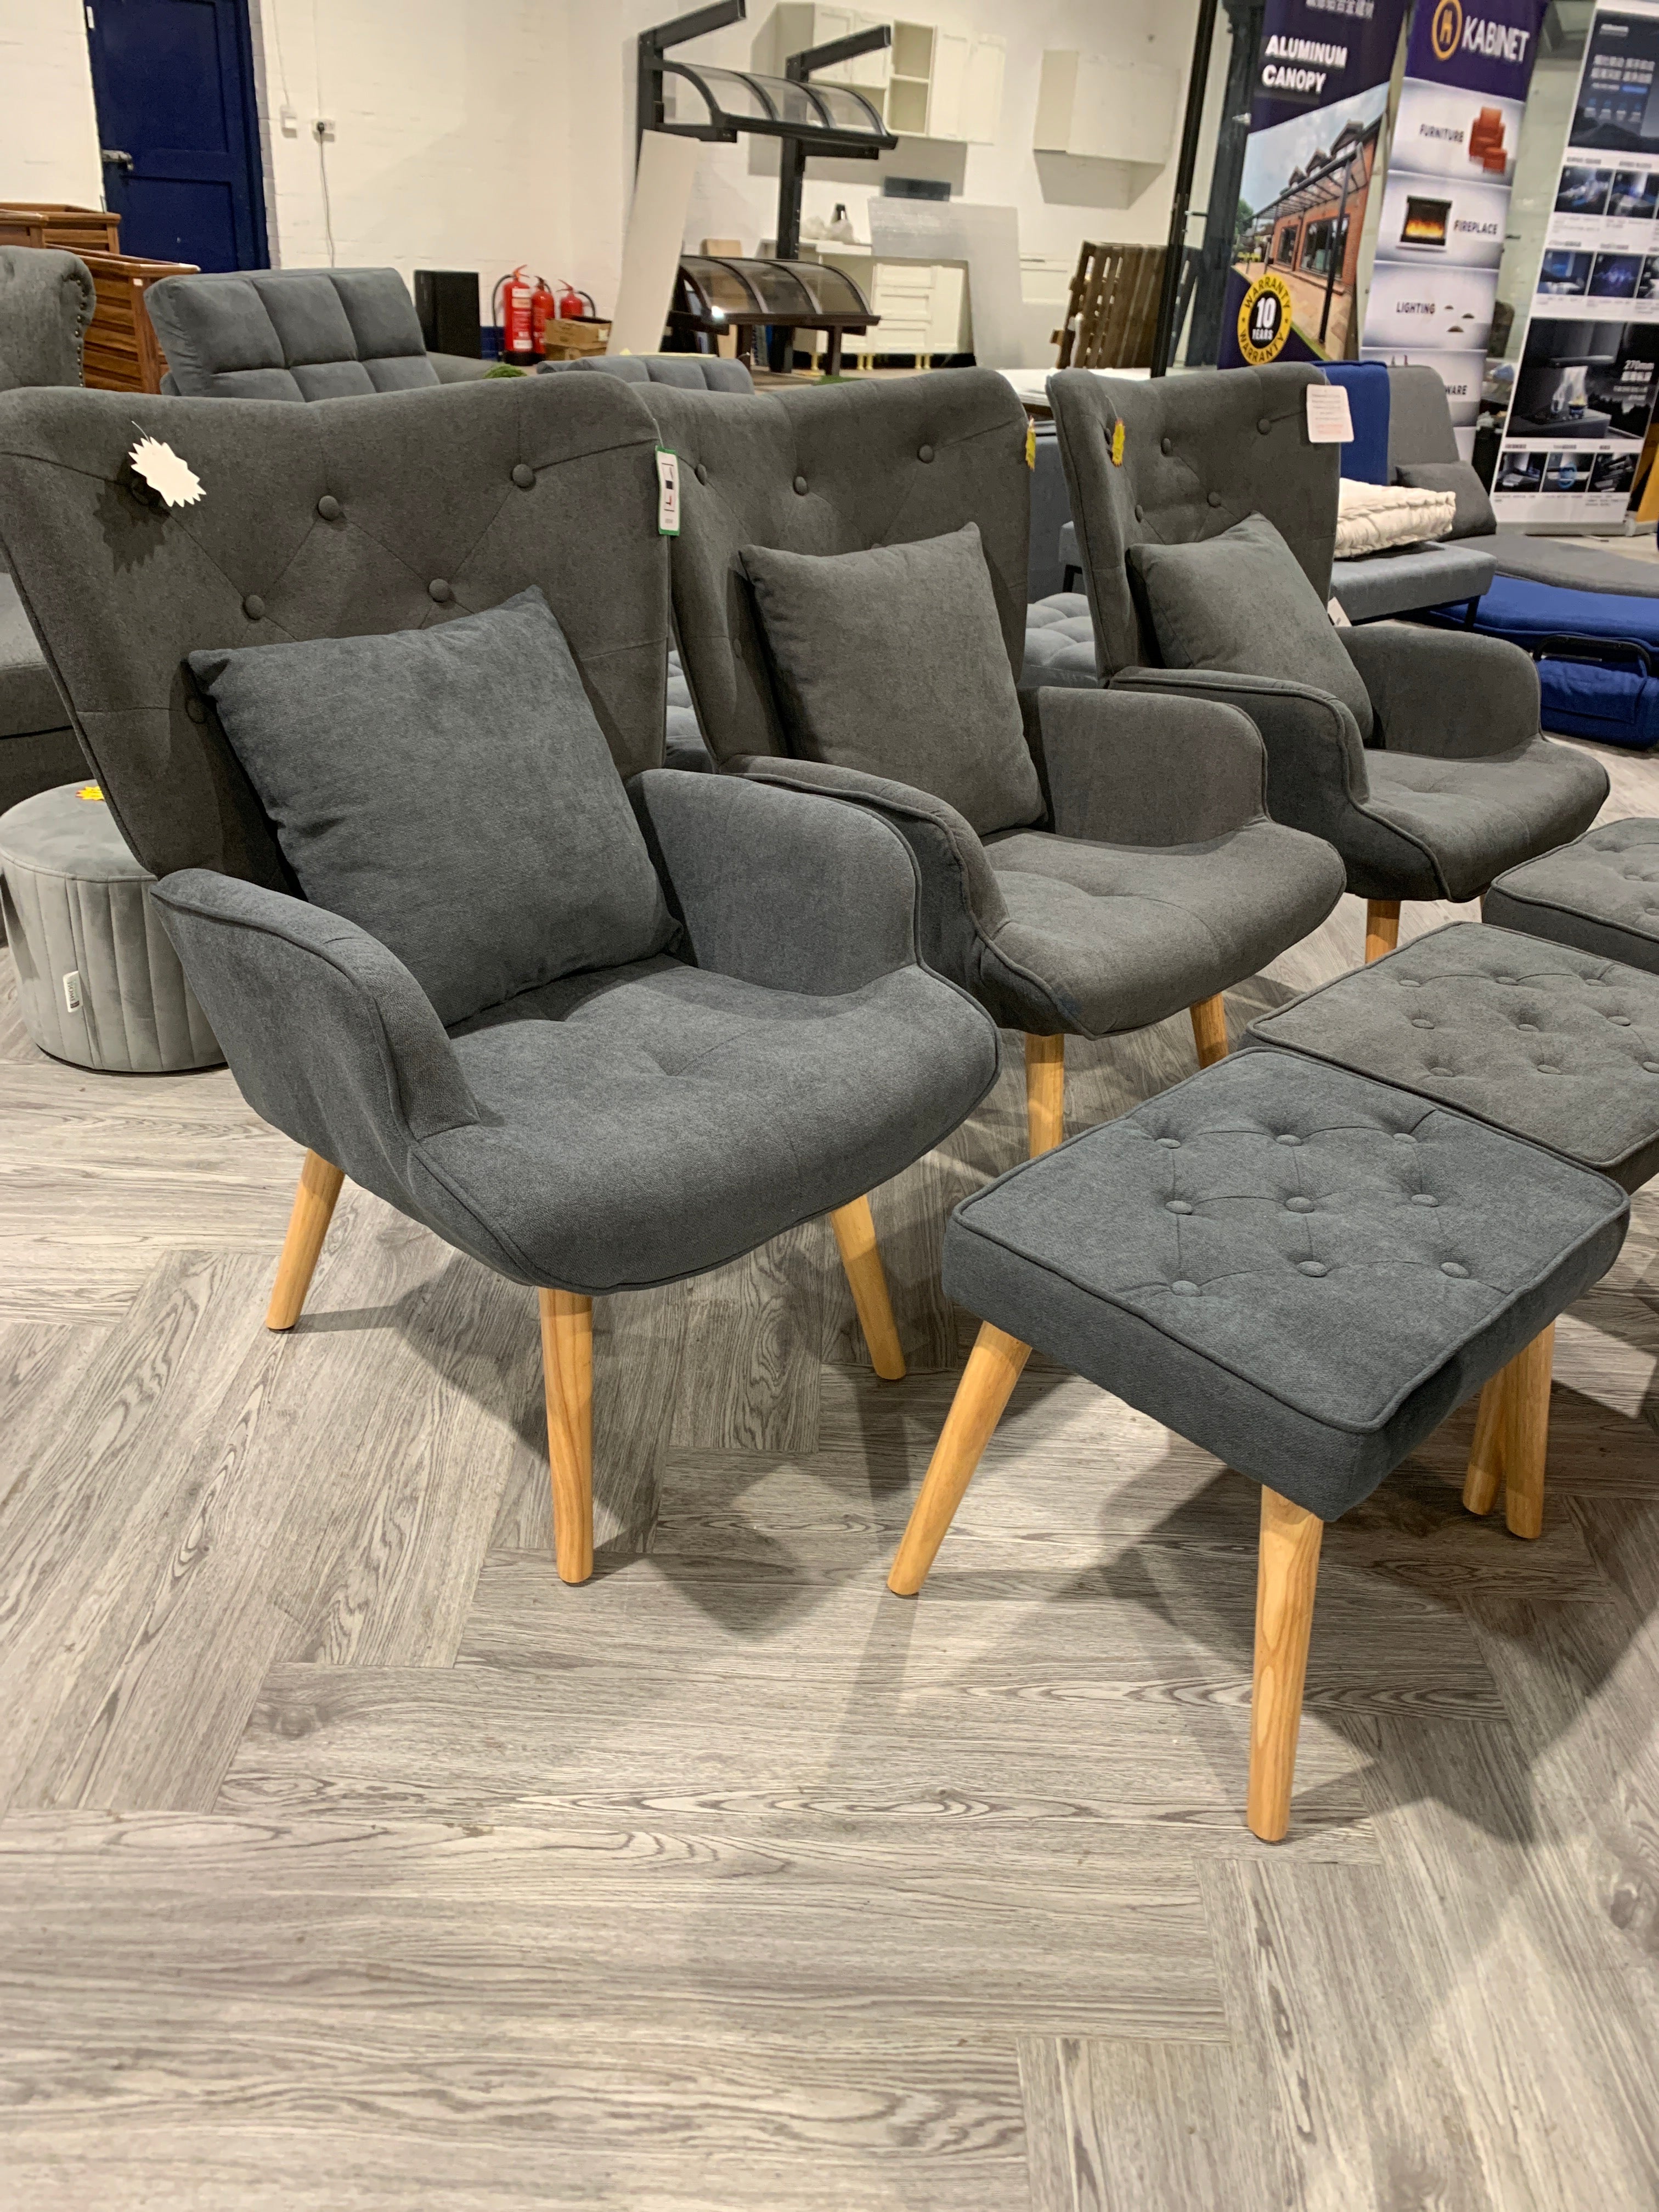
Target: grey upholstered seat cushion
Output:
[(1303, 1271), (1059, 643), (1541, 1040), (289, 334), (1372, 587), (1473, 517), (891, 661), (466, 754), (1600, 893), (1240, 601), (1477, 817), (1574, 566), (691, 372)]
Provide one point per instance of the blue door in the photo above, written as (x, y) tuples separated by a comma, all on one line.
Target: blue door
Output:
[(178, 124)]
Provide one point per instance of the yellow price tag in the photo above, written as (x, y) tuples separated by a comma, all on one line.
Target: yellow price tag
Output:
[(1117, 445), (89, 791), (1030, 445)]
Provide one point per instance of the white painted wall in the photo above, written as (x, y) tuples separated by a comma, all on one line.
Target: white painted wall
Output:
[(48, 132)]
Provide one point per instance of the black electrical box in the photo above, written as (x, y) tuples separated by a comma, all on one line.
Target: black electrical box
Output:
[(446, 302)]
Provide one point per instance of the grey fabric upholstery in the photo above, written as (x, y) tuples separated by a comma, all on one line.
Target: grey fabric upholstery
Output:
[(1455, 696), (1059, 644), (684, 747), (637, 1124), (1600, 894), (1472, 517), (475, 741), (890, 661), (1574, 568), (1548, 1043), (97, 982), (1302, 1270), (1420, 420), (686, 372), (46, 303), (1374, 586), (291, 334), (1050, 516), (368, 515)]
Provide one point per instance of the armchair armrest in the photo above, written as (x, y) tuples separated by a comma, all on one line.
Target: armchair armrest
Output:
[(1451, 694), (327, 1033), (1138, 769), (785, 888)]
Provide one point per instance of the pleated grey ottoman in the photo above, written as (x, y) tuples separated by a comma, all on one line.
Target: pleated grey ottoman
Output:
[(99, 983)]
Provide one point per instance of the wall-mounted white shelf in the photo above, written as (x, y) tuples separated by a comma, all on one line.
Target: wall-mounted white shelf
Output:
[(929, 83), (1103, 110)]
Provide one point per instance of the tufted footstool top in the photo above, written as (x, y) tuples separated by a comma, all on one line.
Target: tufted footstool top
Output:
[(1600, 893), (1059, 644), (1541, 1040), (1302, 1270)]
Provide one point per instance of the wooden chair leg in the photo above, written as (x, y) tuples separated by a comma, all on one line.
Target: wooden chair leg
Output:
[(1381, 927), (1527, 1434), (994, 1368), (1045, 1092), (1209, 1028), (860, 1255), (567, 1382), (1287, 1575), (1483, 1476), (307, 1225)]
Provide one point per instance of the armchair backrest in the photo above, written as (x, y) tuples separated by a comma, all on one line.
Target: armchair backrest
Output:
[(688, 372), (46, 302), (289, 333), (829, 468), (1419, 417), (1199, 453), (368, 516)]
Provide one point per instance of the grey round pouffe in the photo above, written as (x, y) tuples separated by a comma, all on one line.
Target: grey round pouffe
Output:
[(98, 982)]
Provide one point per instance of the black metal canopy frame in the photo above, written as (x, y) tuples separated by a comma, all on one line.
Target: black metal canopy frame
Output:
[(825, 119)]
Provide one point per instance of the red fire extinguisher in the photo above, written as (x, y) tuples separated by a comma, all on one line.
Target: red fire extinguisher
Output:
[(521, 305), (572, 303)]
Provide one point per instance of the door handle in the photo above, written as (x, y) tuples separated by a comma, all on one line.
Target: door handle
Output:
[(113, 158)]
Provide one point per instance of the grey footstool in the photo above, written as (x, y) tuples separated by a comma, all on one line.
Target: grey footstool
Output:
[(1600, 893), (1300, 1270), (1550, 1043), (98, 982)]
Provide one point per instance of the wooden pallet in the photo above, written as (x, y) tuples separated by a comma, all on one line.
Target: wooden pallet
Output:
[(1112, 308)]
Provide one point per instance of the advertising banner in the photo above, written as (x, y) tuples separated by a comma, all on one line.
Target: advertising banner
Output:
[(1445, 206), (1584, 385), (1321, 86)]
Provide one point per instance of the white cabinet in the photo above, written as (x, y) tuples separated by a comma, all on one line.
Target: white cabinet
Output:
[(1106, 110), (929, 83), (922, 304), (981, 106)]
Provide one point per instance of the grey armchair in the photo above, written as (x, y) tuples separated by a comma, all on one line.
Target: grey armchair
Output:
[(608, 1130), (1457, 783), (45, 304), (1150, 880), (295, 334)]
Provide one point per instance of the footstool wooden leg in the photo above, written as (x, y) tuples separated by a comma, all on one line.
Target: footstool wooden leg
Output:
[(1484, 1477), (1381, 927), (1209, 1028), (993, 1370), (1287, 1575), (1527, 1434), (1045, 1091)]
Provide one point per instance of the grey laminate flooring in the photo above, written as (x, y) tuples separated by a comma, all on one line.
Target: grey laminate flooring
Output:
[(348, 1860)]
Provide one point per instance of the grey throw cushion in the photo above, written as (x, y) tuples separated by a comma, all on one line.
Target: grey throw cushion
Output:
[(449, 791), (892, 662), (1242, 602), (1474, 517)]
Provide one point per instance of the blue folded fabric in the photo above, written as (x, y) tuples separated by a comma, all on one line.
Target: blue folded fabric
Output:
[(1366, 459)]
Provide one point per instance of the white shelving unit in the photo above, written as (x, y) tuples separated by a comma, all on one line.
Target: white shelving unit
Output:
[(1106, 110), (929, 83)]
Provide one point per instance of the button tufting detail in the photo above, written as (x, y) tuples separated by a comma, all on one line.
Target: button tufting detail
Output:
[(439, 590), (1287, 1140), (1165, 446), (1185, 1289), (254, 607), (1650, 1066), (523, 476), (1177, 1205), (1423, 1198), (1170, 1144), (1140, 512), (1619, 1021), (800, 484), (1451, 1267), (1264, 425), (1298, 1206), (329, 508), (1215, 498), (195, 710), (700, 472), (1421, 1022), (924, 452), (1311, 1268)]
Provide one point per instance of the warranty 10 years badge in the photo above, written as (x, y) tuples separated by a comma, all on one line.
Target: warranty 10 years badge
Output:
[(1264, 319)]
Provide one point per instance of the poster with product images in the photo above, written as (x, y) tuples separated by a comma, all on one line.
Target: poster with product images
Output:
[(1588, 370), (1322, 87), (1440, 228)]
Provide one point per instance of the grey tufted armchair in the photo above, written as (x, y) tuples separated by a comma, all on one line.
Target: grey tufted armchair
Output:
[(612, 1128), (1455, 783), (1151, 880)]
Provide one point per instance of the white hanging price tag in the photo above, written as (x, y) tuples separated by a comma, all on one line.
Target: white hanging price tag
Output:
[(1329, 422), (668, 493)]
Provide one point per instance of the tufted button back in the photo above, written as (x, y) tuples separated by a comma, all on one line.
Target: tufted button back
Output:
[(329, 508), (523, 476)]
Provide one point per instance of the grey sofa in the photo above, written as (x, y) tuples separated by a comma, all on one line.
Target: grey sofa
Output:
[(1409, 578), (295, 334), (45, 304), (688, 372), (1456, 784), (612, 1128), (1152, 879)]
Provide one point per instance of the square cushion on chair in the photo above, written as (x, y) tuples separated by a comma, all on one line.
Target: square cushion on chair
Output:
[(1474, 517), (1241, 602), (892, 661), (449, 790)]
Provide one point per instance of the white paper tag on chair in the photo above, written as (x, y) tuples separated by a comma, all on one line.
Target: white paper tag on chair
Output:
[(169, 477), (1329, 422), (668, 493), (1334, 610)]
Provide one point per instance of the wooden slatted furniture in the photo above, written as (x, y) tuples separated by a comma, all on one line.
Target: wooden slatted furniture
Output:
[(53, 222), (1112, 308), (122, 353)]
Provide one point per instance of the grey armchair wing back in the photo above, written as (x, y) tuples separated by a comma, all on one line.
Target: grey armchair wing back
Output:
[(46, 303), (1199, 453), (368, 515), (836, 468), (688, 372), (289, 334)]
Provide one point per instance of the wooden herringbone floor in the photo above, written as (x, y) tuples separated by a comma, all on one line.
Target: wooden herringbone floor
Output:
[(350, 1862)]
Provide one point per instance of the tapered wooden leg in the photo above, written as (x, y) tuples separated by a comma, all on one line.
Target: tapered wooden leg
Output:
[(1381, 927), (1210, 1030), (307, 1225), (860, 1254), (1484, 1477), (991, 1372), (1527, 1434), (567, 1381), (1045, 1091), (1287, 1575)]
